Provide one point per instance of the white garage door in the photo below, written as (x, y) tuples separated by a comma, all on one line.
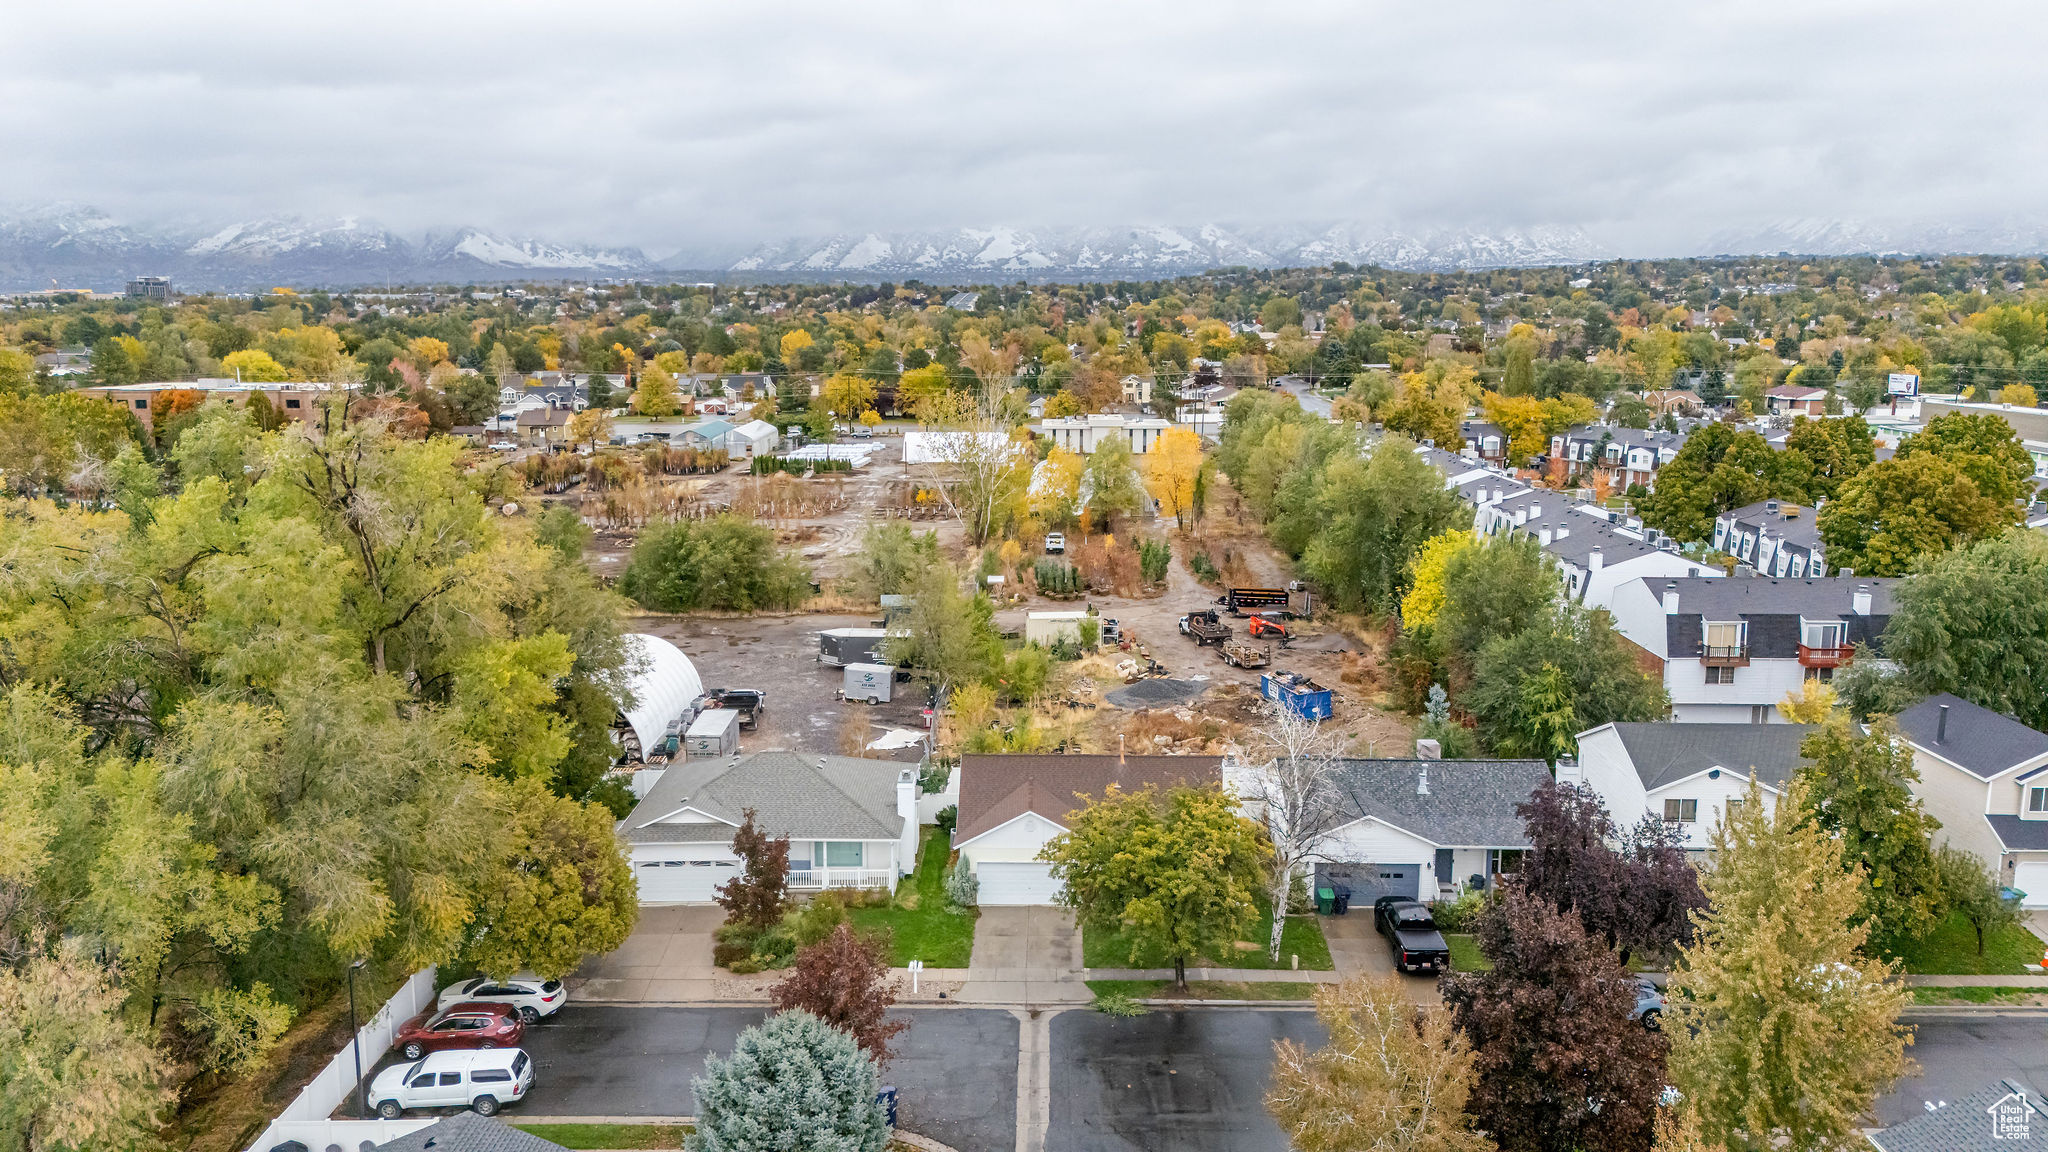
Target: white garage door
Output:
[(2032, 878), (682, 881), (1016, 883)]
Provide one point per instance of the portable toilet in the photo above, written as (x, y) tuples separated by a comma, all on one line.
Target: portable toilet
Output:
[(869, 682)]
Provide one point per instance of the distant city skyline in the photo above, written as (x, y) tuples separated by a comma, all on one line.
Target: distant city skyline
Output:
[(721, 129)]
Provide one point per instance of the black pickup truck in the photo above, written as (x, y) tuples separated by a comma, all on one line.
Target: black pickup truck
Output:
[(748, 702), (1417, 945)]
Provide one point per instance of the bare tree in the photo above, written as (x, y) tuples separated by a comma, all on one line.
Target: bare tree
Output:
[(973, 437), (1291, 788)]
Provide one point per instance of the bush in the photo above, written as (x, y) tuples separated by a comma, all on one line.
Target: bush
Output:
[(962, 889), (722, 563), (948, 817), (1153, 557), (1118, 1004), (1091, 634), (1460, 915), (1055, 578), (814, 921), (766, 465), (1204, 570)]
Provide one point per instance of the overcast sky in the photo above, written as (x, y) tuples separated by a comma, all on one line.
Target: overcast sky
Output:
[(1651, 126)]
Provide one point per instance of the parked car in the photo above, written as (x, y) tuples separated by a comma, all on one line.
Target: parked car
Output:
[(531, 995), (481, 1081), (1055, 543), (862, 432), (1649, 1005), (463, 1026), (1412, 934)]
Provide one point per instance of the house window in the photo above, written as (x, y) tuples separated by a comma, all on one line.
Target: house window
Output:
[(1717, 675), (1681, 811), (842, 854), (141, 403), (291, 402), (2037, 798), (1504, 861), (1727, 636), (1824, 675)]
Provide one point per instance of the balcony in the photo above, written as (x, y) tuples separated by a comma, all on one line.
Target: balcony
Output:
[(1828, 656), (1725, 656)]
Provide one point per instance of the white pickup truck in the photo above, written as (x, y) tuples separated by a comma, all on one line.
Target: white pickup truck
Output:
[(1055, 543)]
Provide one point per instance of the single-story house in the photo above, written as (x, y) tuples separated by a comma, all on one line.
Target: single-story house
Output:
[(1428, 828), (1985, 777), (850, 823), (1996, 1118), (1685, 774), (1012, 806), (1794, 399), (465, 1131)]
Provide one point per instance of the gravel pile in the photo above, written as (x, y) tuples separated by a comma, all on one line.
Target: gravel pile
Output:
[(1157, 693)]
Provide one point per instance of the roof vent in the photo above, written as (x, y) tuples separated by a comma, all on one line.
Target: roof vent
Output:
[(1941, 727), (1422, 782)]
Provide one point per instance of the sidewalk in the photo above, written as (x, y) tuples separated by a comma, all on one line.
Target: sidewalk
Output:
[(1235, 975)]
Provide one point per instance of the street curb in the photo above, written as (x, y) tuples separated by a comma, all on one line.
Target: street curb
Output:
[(922, 1143), (1938, 1011)]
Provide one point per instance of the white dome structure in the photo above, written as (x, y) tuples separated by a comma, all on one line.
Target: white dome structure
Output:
[(664, 684)]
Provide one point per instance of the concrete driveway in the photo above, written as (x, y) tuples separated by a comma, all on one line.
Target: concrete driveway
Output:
[(1025, 955), (667, 958), (1357, 950)]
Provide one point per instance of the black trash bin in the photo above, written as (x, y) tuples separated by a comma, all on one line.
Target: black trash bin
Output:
[(1343, 901)]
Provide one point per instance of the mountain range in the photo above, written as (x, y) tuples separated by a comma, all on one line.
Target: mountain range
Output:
[(75, 246)]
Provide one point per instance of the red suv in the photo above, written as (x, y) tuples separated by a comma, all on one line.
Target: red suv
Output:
[(462, 1026)]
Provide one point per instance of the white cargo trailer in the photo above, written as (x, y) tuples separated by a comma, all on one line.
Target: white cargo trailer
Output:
[(869, 682), (715, 732)]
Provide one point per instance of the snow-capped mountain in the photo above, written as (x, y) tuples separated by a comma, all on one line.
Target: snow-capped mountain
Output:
[(1825, 237), (1149, 250), (77, 246)]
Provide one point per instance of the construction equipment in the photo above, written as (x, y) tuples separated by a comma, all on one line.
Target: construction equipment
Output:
[(1239, 654), (1206, 626), (1267, 624)]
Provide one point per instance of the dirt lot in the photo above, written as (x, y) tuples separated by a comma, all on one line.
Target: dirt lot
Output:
[(779, 655)]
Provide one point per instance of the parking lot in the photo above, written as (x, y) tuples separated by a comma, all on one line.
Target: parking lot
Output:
[(779, 655)]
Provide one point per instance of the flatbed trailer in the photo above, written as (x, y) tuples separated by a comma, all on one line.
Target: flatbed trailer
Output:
[(1239, 654), (1239, 600)]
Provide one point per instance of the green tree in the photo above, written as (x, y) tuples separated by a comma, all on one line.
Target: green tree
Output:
[(1972, 891), (1974, 622), (1500, 587), (657, 395), (72, 1075), (1831, 452), (792, 1082), (1983, 447), (564, 890), (1897, 512), (1534, 691), (1786, 1033), (1394, 1077), (724, 563), (1114, 487), (1859, 791), (1718, 469), (947, 631), (1375, 513), (1179, 872)]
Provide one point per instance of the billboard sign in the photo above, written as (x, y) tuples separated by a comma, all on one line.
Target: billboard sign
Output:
[(1903, 384)]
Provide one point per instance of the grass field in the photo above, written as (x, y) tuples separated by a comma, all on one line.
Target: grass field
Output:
[(1206, 989), (1465, 955), (605, 1136), (1951, 950), (920, 925), (1302, 936), (2019, 996)]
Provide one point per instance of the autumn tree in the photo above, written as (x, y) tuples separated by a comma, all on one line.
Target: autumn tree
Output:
[(1425, 599), (1292, 788), (844, 981), (1560, 1064), (592, 426), (757, 896), (1897, 511), (253, 365), (988, 473), (1785, 1032), (1859, 792), (564, 890), (1178, 871), (1983, 447), (1632, 888), (1393, 1077), (657, 395), (1171, 469), (846, 395), (72, 1074)]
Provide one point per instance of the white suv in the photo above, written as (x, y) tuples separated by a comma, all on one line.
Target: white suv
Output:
[(482, 1080), (532, 996)]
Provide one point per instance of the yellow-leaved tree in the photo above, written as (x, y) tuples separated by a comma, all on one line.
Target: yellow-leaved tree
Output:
[(1172, 469), (657, 394), (1425, 598), (847, 396), (1810, 705)]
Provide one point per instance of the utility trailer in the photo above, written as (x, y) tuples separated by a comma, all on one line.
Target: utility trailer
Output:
[(1239, 654), (1206, 626), (1237, 601), (839, 647)]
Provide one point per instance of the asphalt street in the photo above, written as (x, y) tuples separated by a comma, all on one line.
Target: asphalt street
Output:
[(1189, 1080), (1960, 1054)]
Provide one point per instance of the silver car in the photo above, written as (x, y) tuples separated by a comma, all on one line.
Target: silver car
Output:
[(1649, 1006)]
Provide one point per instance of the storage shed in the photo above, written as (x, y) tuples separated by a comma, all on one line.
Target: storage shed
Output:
[(665, 685), (715, 732), (1048, 628), (754, 438)]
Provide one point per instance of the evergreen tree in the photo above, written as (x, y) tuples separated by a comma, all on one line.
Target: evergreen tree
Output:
[(792, 1083)]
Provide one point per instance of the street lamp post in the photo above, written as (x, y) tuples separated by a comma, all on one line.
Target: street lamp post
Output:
[(356, 1038)]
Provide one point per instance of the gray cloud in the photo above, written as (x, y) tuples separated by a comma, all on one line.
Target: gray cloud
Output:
[(1650, 126)]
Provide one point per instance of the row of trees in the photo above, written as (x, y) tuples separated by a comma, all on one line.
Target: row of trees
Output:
[(244, 707)]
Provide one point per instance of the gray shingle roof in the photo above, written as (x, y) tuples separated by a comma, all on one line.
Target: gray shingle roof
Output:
[(1471, 803), (1667, 753), (838, 797), (1794, 523), (469, 1132), (1980, 741), (1774, 607), (1965, 1125), (2020, 835)]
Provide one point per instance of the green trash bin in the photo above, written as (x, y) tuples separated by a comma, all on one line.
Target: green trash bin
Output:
[(1326, 902)]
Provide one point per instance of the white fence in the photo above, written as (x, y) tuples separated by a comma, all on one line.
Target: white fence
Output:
[(305, 1119)]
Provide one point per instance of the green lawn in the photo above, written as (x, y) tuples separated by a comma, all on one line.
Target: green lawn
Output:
[(1951, 950), (1978, 995), (1206, 989), (920, 925), (1302, 936), (598, 1136), (1465, 956)]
